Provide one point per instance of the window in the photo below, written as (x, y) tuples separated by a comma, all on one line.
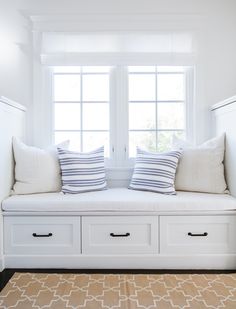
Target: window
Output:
[(81, 107), (156, 107), (121, 108)]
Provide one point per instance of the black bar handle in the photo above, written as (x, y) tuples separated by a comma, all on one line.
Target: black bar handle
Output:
[(192, 234), (42, 235), (119, 235)]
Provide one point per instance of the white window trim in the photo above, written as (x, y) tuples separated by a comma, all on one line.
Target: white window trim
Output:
[(188, 103), (119, 155), (81, 130)]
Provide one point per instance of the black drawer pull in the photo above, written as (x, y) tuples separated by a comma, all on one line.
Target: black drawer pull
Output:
[(42, 235), (119, 235), (203, 234)]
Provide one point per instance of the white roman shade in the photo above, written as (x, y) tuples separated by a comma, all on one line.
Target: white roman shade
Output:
[(113, 48)]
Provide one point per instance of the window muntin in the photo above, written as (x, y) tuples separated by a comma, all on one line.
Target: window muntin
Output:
[(81, 107), (151, 109), (157, 107)]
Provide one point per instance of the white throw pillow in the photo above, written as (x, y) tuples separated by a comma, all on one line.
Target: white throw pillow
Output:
[(36, 170), (201, 168)]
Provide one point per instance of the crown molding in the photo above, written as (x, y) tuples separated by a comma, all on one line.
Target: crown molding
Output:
[(100, 22)]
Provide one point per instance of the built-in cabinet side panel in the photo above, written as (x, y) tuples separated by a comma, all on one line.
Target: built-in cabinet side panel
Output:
[(1, 244), (225, 121), (12, 123)]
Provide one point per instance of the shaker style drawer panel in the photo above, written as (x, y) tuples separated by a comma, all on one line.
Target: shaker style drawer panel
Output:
[(42, 235), (120, 235), (197, 234)]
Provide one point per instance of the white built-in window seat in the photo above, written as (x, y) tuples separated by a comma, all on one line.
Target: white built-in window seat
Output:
[(120, 228)]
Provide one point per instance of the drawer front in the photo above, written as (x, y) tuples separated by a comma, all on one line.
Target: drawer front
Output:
[(119, 235), (42, 235), (197, 234)]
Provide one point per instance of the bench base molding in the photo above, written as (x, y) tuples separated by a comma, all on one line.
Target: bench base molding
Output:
[(218, 261), (1, 264)]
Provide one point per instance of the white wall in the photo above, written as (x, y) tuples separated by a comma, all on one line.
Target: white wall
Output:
[(217, 62), (123, 6), (216, 46), (15, 55)]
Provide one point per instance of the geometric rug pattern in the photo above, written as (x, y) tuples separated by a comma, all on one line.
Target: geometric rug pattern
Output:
[(119, 291)]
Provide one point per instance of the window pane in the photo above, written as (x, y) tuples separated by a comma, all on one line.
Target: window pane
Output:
[(95, 116), (164, 139), (141, 116), (141, 87), (145, 140), (96, 87), (93, 140), (142, 68), (170, 87), (74, 138), (67, 116), (67, 87), (171, 116)]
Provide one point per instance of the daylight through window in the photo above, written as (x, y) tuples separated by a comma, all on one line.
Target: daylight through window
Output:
[(81, 105), (86, 108)]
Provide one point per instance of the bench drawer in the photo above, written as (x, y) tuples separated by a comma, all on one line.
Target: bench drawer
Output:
[(42, 235), (120, 235), (197, 234)]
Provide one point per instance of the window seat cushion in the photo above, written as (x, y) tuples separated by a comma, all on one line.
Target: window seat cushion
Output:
[(119, 199)]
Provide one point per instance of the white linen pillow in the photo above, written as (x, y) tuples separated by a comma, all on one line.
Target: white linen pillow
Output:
[(155, 171), (36, 170), (201, 168)]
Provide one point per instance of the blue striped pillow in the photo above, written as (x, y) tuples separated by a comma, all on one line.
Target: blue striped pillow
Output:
[(82, 172), (155, 171)]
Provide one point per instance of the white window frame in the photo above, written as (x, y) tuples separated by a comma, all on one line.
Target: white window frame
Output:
[(121, 142), (187, 82), (81, 102), (119, 113)]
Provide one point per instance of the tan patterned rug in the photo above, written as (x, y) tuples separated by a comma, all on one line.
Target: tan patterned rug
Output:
[(98, 291)]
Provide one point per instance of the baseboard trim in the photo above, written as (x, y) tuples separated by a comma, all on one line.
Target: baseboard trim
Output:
[(219, 262)]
